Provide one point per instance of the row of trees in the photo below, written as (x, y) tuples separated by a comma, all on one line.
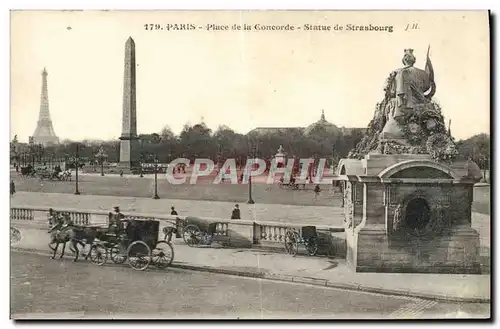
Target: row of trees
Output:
[(200, 141), (476, 148)]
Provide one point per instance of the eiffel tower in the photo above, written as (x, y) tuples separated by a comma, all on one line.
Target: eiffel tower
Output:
[(44, 132)]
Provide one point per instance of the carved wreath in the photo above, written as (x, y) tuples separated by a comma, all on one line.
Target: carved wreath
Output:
[(441, 148)]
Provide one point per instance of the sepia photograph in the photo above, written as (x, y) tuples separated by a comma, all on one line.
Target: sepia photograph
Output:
[(249, 165)]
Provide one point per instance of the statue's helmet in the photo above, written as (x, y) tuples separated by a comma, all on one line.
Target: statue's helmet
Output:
[(408, 58)]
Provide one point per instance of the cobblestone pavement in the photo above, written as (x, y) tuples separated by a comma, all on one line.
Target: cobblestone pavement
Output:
[(63, 289)]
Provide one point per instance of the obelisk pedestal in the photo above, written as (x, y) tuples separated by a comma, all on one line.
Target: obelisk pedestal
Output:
[(128, 139)]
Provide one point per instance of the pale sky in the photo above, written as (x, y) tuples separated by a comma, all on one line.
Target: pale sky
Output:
[(243, 79)]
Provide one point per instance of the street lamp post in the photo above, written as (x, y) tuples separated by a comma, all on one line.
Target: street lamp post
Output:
[(77, 164), (141, 161), (156, 197), (333, 159), (101, 155), (250, 200)]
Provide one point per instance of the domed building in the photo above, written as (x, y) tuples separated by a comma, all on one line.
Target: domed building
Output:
[(322, 126)]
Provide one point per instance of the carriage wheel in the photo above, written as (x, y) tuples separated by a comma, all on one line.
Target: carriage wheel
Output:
[(311, 245), (163, 254), (291, 242), (192, 235), (139, 255), (98, 254), (116, 254)]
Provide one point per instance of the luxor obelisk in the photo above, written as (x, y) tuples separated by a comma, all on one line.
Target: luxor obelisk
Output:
[(128, 138)]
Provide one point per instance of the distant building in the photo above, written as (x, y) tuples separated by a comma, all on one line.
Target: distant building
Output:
[(322, 123), (261, 131)]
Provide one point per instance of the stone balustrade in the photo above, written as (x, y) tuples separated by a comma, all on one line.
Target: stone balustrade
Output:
[(80, 218), (271, 233), (234, 233), (21, 214)]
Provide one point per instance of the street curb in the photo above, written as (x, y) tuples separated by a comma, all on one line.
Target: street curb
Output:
[(311, 281)]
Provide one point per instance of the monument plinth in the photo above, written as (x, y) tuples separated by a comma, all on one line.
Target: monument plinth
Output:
[(128, 139), (407, 203)]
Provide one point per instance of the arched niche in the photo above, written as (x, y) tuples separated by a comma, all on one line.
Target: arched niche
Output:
[(350, 167), (418, 169)]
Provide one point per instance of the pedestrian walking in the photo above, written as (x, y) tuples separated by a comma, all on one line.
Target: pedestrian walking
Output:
[(12, 187), (236, 212), (173, 212)]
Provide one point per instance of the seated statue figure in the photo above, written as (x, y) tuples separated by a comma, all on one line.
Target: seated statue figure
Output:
[(409, 89)]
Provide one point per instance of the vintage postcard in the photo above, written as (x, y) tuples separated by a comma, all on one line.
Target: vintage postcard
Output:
[(250, 164)]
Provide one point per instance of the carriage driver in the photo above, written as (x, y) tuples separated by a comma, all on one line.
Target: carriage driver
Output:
[(119, 227), (115, 220), (118, 215)]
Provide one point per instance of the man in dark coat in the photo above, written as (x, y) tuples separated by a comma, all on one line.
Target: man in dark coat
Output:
[(236, 212), (173, 212), (12, 187)]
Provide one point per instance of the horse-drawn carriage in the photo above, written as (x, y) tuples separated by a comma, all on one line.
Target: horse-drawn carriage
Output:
[(307, 236), (28, 171), (293, 183), (136, 241), (45, 173), (194, 231)]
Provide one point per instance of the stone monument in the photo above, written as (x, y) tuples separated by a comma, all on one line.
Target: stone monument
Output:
[(407, 201), (280, 157), (128, 140)]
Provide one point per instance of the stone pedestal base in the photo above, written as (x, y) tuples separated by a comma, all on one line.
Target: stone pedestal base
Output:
[(456, 251), (128, 154)]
